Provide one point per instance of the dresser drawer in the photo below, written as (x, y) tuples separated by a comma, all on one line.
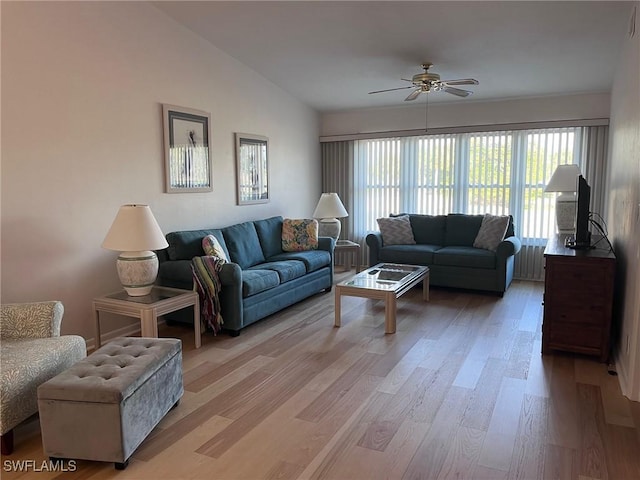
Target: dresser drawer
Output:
[(589, 315), (562, 335)]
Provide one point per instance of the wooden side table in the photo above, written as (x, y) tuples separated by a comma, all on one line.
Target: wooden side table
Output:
[(349, 247), (148, 308), (578, 299)]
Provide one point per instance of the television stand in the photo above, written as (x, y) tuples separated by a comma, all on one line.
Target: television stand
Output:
[(578, 299)]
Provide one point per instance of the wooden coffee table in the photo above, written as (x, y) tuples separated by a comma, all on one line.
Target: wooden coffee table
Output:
[(385, 281)]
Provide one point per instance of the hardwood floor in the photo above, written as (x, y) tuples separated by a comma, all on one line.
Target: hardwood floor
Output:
[(460, 391)]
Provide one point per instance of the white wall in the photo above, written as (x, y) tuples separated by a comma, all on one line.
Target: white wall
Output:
[(82, 88), (624, 208), (466, 113)]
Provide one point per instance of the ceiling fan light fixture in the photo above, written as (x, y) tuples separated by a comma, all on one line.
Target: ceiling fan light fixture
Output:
[(426, 82)]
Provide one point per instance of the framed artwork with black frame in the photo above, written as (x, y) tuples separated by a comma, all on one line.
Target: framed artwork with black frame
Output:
[(252, 168), (187, 153)]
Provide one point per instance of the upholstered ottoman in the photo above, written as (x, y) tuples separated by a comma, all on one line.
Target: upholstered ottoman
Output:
[(104, 406)]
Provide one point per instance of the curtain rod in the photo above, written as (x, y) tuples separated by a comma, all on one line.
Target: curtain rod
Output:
[(592, 122)]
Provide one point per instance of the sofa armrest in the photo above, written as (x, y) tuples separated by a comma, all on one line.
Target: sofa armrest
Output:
[(230, 274), (327, 243), (374, 241), (31, 320), (231, 296), (508, 247)]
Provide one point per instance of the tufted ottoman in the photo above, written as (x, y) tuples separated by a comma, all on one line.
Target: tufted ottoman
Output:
[(104, 406)]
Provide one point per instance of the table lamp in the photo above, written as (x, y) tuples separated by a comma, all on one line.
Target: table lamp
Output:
[(328, 210), (564, 180), (135, 233)]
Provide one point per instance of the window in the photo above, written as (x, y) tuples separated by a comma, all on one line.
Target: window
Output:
[(502, 172)]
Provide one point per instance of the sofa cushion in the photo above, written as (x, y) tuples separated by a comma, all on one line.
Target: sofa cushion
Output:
[(428, 229), (461, 229), (286, 269), (186, 244), (270, 235), (409, 254), (256, 281), (396, 230), (299, 235), (212, 247), (313, 259), (243, 244), (465, 257), (491, 232)]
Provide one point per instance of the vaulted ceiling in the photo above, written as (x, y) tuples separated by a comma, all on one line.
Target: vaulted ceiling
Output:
[(331, 54)]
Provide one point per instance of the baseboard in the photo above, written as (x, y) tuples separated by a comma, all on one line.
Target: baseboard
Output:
[(623, 375), (126, 331)]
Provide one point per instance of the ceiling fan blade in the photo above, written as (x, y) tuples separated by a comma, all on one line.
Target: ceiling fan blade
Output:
[(391, 89), (462, 81), (413, 95), (457, 91)]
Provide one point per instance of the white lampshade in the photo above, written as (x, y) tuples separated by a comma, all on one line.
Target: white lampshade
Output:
[(564, 180), (136, 233), (330, 206), (328, 210)]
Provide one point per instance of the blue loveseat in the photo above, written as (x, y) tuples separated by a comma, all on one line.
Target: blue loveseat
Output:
[(260, 278), (444, 243)]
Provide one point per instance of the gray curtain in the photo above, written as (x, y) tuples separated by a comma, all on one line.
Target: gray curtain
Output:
[(337, 176)]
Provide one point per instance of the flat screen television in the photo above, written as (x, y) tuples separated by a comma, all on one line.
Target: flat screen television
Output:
[(583, 235)]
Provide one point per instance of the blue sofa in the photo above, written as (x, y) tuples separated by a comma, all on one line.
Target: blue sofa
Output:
[(444, 243), (260, 278)]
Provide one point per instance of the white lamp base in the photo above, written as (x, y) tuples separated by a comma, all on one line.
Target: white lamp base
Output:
[(329, 227), (137, 272), (566, 213)]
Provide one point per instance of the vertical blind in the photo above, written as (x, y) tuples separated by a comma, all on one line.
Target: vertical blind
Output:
[(501, 172)]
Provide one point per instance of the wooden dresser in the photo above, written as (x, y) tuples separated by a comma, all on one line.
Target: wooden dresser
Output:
[(578, 298)]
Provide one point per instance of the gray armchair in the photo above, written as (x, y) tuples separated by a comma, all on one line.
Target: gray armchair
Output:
[(32, 351)]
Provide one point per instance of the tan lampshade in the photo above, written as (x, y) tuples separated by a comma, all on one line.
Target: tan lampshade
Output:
[(564, 179), (330, 206), (134, 229)]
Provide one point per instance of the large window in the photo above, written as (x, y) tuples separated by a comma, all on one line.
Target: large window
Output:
[(491, 172), (500, 172)]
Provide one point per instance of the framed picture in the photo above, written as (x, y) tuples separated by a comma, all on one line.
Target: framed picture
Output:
[(252, 168), (187, 156)]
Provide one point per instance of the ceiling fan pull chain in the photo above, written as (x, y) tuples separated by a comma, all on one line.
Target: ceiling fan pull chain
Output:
[(426, 115)]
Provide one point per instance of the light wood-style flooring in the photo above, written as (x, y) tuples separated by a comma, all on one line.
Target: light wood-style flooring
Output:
[(460, 391)]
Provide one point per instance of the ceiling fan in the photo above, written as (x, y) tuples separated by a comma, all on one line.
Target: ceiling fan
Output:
[(426, 82)]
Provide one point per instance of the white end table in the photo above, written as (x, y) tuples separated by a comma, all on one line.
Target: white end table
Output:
[(353, 248)]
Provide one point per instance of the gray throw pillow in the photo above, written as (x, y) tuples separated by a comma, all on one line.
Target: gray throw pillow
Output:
[(492, 231), (396, 231)]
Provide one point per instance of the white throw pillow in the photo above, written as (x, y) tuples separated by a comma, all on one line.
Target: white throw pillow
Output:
[(492, 231), (396, 230)]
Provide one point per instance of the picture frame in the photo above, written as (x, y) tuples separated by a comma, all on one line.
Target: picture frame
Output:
[(187, 152), (252, 168)]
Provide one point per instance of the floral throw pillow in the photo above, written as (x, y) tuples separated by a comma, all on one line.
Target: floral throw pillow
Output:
[(212, 247), (299, 235)]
